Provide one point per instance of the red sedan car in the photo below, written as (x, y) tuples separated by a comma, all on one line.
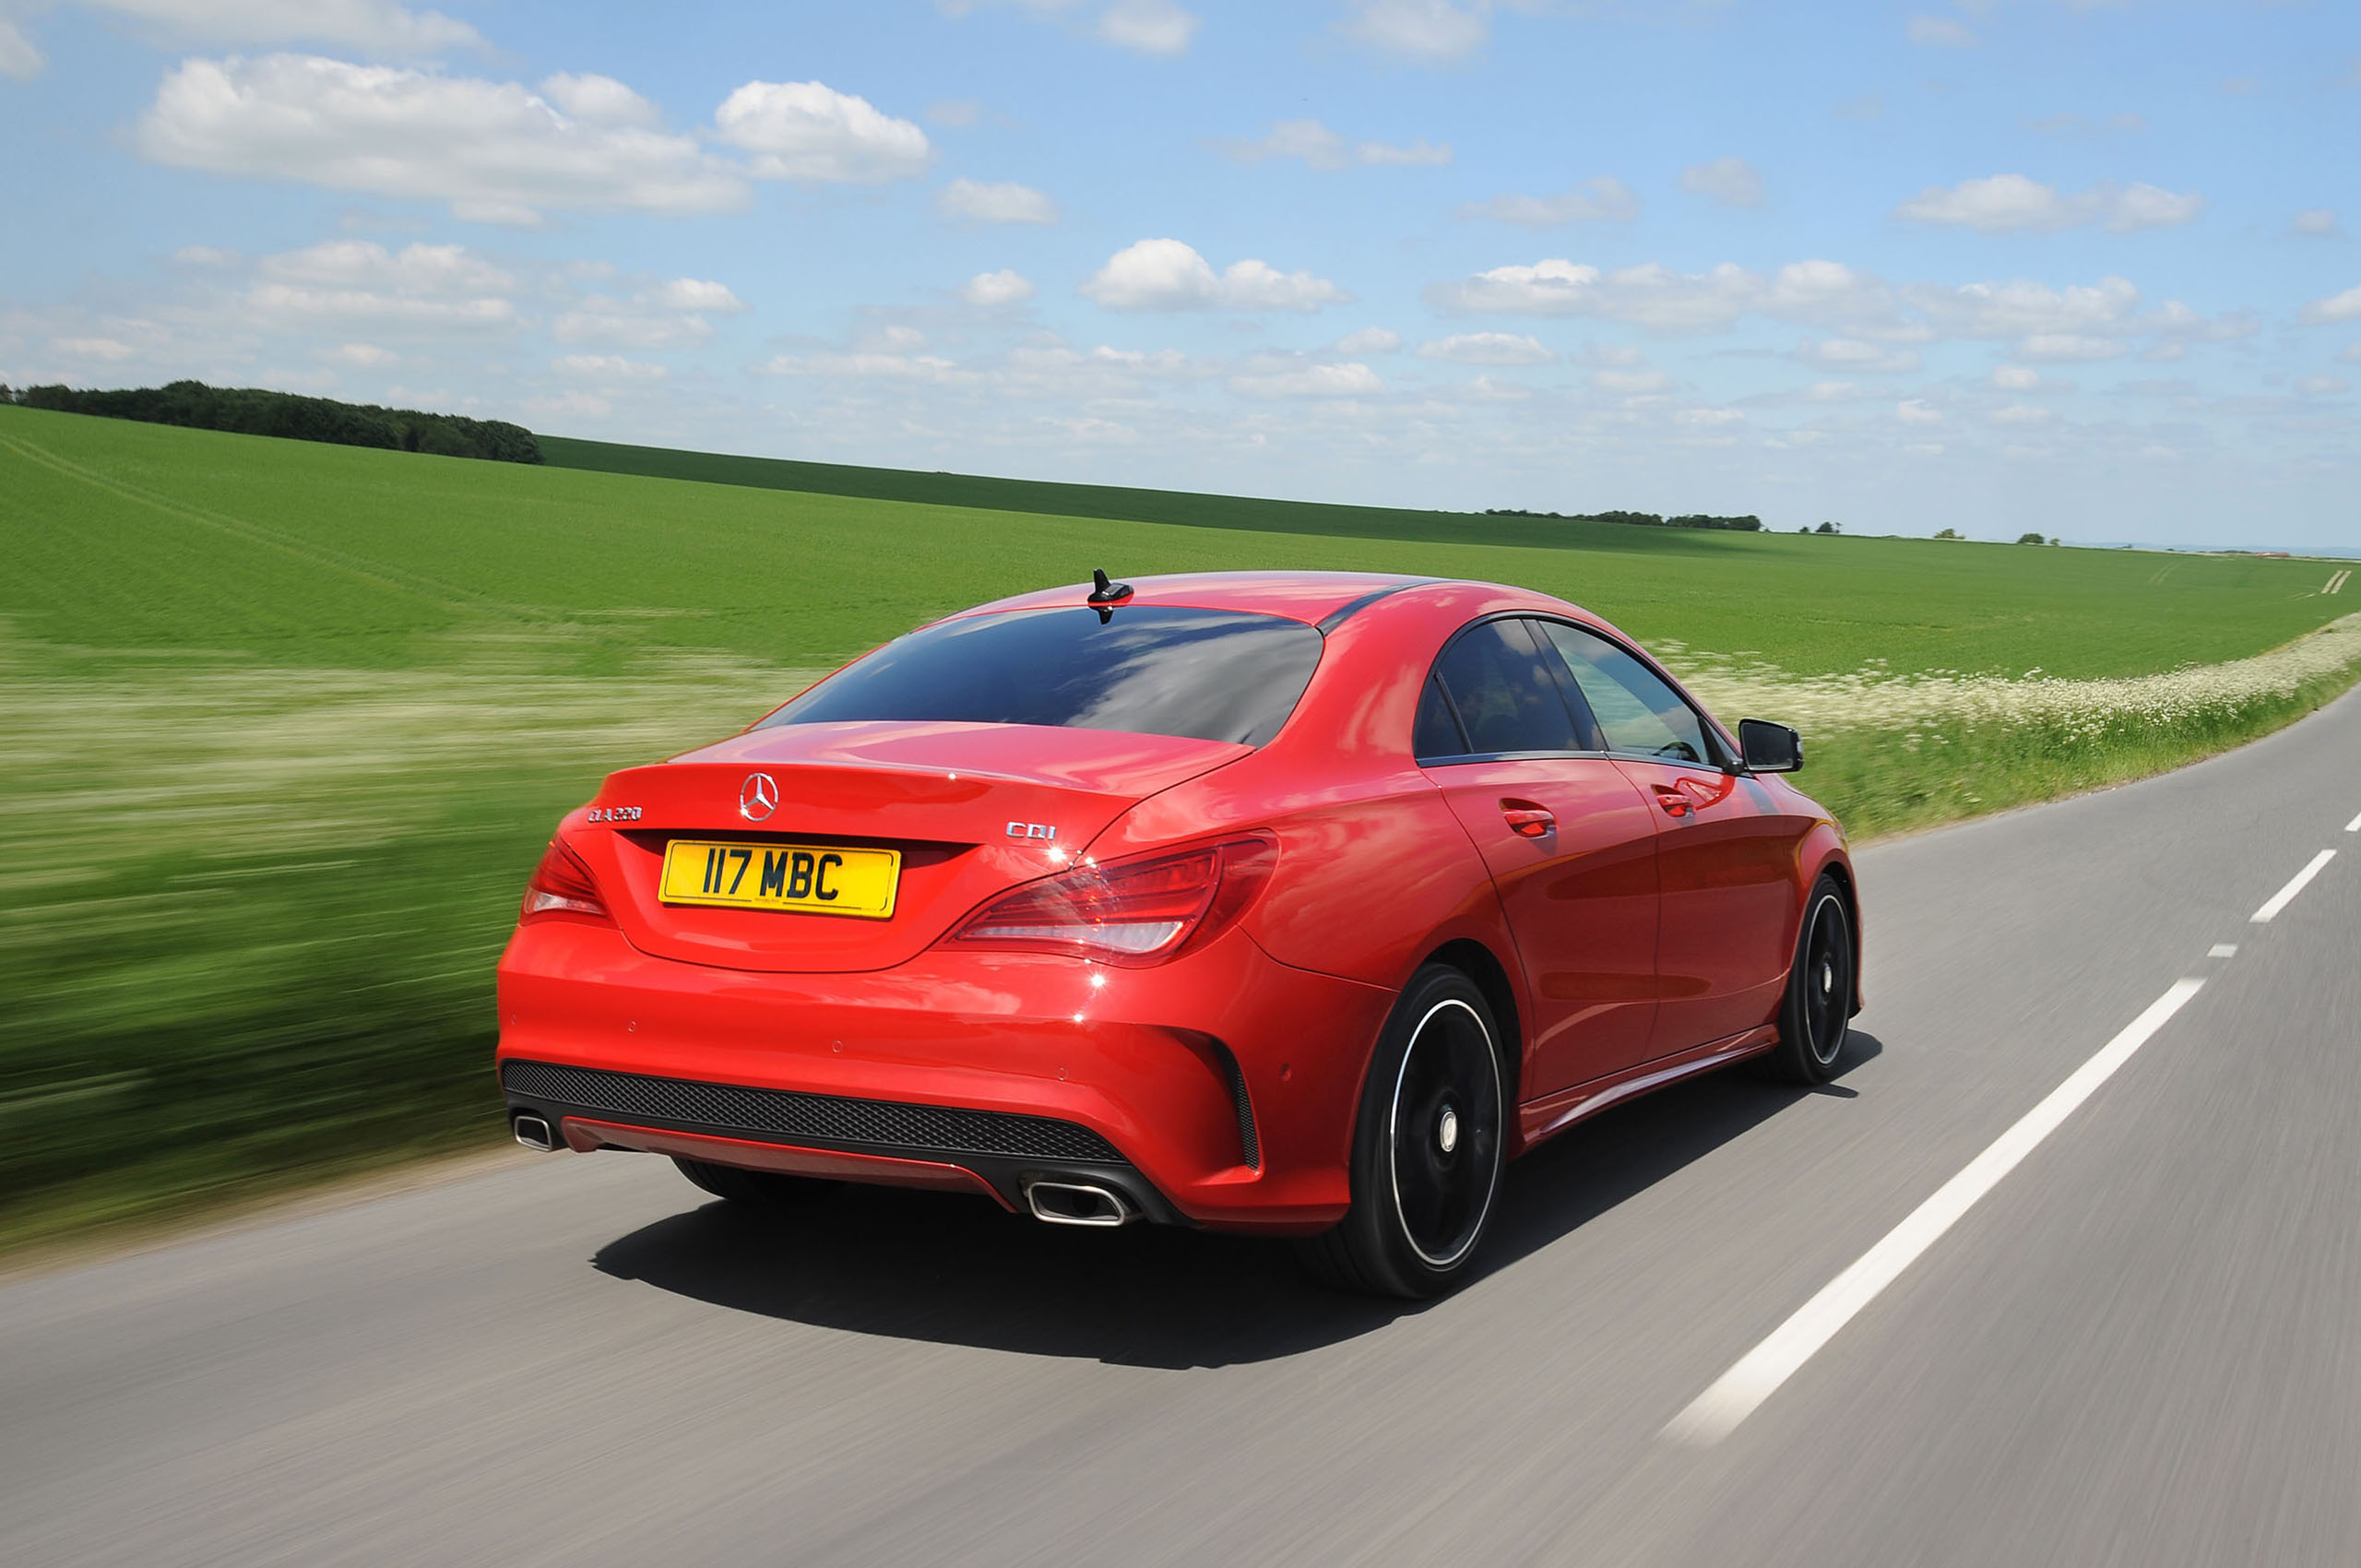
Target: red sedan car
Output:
[(1290, 902)]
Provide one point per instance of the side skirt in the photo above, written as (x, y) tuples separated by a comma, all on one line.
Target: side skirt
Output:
[(1545, 1118)]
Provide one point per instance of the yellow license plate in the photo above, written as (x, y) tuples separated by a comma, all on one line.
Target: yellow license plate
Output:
[(818, 879)]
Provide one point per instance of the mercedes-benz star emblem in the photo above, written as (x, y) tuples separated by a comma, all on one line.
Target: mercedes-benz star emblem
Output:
[(758, 797)]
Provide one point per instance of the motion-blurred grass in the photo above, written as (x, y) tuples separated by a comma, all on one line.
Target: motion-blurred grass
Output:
[(282, 727)]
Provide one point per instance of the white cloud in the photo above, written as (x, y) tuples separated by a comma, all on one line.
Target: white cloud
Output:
[(1488, 349), (1306, 139), (2150, 206), (1650, 295), (2015, 378), (1170, 275), (668, 316), (2072, 346), (2350, 354), (1434, 32), (696, 293), (2020, 307), (868, 365), (495, 151), (1603, 200), (607, 367), (1868, 317), (1918, 410), (1631, 383), (361, 356), (1418, 154), (601, 100), (1940, 32), (1354, 380), (1148, 26), (348, 282), (110, 351), (1855, 357), (373, 27), (1726, 181), (1323, 148), (2346, 306), (2317, 222), (1488, 389), (206, 256), (1999, 203), (2019, 414), (996, 201), (957, 112), (19, 57), (808, 131), (2007, 202), (1369, 340), (2321, 386), (1002, 288)]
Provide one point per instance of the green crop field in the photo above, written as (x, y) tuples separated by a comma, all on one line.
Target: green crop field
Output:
[(283, 726)]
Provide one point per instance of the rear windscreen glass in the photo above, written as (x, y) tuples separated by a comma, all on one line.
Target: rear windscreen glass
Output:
[(1207, 675)]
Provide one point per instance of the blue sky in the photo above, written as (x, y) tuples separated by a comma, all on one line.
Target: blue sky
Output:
[(2089, 270)]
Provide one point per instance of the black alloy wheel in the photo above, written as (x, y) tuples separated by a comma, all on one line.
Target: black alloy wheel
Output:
[(755, 1189), (1427, 1148), (1817, 1017)]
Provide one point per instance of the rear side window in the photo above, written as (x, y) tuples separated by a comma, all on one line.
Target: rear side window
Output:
[(1205, 675), (1498, 681), (1636, 711)]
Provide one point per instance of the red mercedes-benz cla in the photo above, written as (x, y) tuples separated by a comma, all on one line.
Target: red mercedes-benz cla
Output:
[(1291, 902)]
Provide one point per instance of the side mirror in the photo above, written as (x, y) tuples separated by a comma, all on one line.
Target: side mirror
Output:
[(1768, 747)]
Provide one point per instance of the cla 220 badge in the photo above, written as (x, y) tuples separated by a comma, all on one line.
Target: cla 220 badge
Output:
[(614, 813)]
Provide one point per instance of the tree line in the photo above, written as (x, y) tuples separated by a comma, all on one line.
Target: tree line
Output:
[(1749, 523), (252, 410)]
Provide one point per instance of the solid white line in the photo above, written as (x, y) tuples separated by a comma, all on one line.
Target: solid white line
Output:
[(2296, 884), (1715, 1413)]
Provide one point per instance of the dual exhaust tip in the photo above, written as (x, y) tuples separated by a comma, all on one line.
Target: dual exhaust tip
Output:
[(1054, 1203)]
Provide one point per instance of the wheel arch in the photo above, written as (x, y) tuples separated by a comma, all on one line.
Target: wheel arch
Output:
[(1839, 870), (1483, 966)]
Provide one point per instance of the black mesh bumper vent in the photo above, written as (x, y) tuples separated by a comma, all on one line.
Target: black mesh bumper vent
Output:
[(783, 1113)]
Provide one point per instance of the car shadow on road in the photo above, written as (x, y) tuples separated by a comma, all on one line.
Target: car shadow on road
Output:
[(919, 1265)]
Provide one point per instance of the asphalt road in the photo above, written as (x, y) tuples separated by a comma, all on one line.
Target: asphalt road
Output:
[(2141, 1346)]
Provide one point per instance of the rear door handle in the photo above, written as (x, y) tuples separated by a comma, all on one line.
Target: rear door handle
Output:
[(1527, 820), (1674, 801)]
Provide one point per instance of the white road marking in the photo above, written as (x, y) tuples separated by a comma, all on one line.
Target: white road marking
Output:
[(2223, 950), (2295, 885), (2354, 827), (1734, 1395), (2336, 581)]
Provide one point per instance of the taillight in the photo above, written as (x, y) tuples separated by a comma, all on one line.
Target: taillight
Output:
[(562, 882), (1137, 911)]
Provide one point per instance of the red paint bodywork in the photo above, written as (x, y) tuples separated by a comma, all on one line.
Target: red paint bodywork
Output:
[(1648, 937)]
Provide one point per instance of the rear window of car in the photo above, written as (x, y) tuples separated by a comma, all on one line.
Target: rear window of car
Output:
[(1205, 674)]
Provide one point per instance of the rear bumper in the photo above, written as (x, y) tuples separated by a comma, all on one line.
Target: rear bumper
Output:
[(1216, 1090)]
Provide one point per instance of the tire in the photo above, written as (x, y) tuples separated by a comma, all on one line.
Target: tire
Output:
[(1427, 1146), (1815, 1017), (755, 1189)]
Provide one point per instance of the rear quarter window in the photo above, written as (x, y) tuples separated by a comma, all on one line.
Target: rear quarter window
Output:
[(1203, 674)]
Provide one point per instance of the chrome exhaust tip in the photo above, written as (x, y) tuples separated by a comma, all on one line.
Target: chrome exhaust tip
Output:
[(1075, 1203), (533, 1132)]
